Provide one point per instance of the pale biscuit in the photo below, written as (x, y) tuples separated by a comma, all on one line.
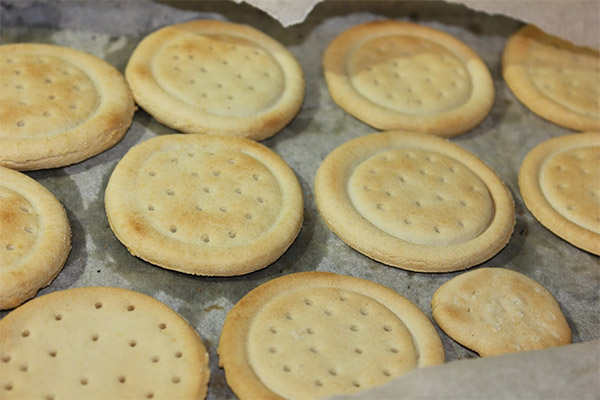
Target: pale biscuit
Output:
[(58, 106), (559, 182), (314, 334), (35, 237), (204, 204), (400, 75), (414, 201), (495, 311), (216, 77), (554, 78), (100, 343)]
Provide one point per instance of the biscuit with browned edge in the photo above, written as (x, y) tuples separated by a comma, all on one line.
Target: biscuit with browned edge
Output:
[(559, 180), (495, 311), (204, 204), (58, 106), (35, 237), (100, 343), (399, 75), (414, 201), (554, 78), (315, 334), (216, 77)]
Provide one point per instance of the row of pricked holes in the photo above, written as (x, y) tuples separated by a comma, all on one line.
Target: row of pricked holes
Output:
[(28, 229)]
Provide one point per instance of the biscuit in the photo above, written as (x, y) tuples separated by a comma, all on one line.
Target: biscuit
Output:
[(204, 204), (100, 343), (558, 180), (495, 311), (216, 77), (315, 334), (553, 78), (414, 201), (58, 106), (35, 237), (399, 75)]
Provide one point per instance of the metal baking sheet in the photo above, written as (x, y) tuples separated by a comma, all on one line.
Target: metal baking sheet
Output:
[(112, 29)]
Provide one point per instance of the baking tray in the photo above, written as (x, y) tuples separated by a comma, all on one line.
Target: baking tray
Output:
[(112, 29)]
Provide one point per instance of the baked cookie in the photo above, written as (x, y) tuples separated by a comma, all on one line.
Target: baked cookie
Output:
[(414, 201), (100, 343), (554, 78), (495, 311), (58, 106), (559, 182), (316, 334), (35, 237), (204, 204), (216, 77), (399, 75)]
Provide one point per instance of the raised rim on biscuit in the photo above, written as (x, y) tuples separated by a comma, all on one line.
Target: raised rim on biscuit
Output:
[(216, 77), (414, 201), (317, 334), (400, 75), (59, 106), (35, 237), (554, 78), (558, 181), (204, 204)]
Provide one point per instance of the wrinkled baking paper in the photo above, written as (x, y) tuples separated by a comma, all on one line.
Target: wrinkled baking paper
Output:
[(574, 20)]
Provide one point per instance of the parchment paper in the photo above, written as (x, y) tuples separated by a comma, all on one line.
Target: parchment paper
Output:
[(112, 29)]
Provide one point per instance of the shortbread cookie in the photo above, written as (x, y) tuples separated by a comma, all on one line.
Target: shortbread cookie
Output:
[(560, 183), (35, 237), (414, 201), (496, 311), (399, 75), (204, 204), (216, 77), (314, 334), (58, 106), (100, 343), (554, 78)]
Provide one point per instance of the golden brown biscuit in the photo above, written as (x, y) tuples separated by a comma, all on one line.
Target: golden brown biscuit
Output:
[(496, 311), (316, 334), (414, 201), (216, 77), (58, 106), (35, 237), (553, 78), (559, 181), (400, 75), (204, 204), (100, 343)]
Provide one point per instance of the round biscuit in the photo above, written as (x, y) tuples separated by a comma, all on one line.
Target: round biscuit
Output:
[(216, 77), (316, 334), (58, 106), (100, 343), (496, 311), (35, 237), (558, 181), (553, 78), (204, 204), (399, 75), (414, 201)]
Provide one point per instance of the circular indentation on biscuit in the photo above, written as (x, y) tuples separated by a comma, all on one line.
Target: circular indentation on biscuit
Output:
[(328, 312), (318, 383), (272, 350), (313, 349), (358, 350), (130, 307), (84, 381), (155, 359), (51, 97), (231, 234), (152, 173), (149, 395), (25, 210), (222, 209), (150, 207), (175, 379), (310, 331), (216, 173), (8, 386), (288, 316), (52, 353), (23, 367), (354, 328), (50, 397), (273, 329), (205, 238), (95, 337), (58, 317), (260, 199), (356, 384), (170, 192), (287, 368), (173, 229), (387, 328), (20, 123), (98, 305), (162, 326), (122, 379), (5, 358), (206, 190), (10, 247), (248, 216), (132, 343)]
